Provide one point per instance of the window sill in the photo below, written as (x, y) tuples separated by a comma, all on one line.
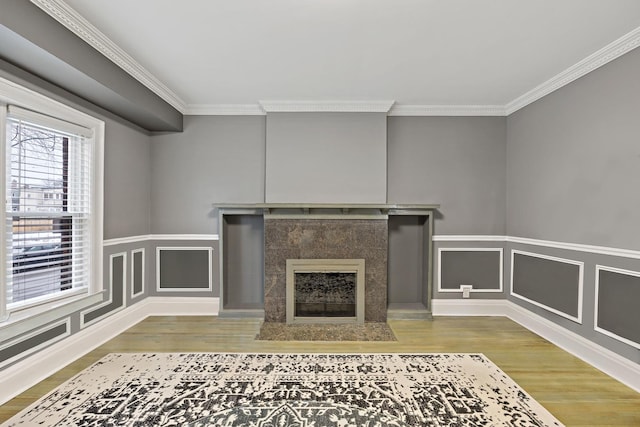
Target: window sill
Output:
[(21, 321)]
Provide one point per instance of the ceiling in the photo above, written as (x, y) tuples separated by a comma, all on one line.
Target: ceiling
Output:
[(208, 55)]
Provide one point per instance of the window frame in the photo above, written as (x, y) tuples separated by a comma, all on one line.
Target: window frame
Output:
[(12, 93)]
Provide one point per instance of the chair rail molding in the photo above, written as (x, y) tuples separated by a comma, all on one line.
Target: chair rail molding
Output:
[(579, 247), (149, 237)]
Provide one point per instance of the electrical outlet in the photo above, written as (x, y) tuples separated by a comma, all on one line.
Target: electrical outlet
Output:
[(466, 290)]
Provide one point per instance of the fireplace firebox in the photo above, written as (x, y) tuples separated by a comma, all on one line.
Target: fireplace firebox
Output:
[(325, 290), (325, 294)]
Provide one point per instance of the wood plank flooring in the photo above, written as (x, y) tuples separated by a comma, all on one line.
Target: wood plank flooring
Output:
[(573, 391)]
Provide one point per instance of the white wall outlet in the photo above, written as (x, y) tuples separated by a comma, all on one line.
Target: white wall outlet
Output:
[(466, 290)]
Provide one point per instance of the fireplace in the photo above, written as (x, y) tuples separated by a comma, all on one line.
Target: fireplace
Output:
[(325, 290), (257, 240), (312, 242)]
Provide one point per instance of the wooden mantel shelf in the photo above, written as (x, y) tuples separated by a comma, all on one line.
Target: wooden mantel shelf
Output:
[(331, 209)]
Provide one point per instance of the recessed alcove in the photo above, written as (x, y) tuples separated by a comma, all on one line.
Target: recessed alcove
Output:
[(242, 266), (393, 240), (410, 264)]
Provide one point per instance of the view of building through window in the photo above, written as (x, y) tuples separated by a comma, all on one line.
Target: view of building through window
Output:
[(41, 228)]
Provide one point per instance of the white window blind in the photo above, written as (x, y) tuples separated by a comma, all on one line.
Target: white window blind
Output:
[(48, 207)]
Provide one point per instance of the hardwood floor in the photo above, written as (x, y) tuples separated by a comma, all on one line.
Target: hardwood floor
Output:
[(573, 391)]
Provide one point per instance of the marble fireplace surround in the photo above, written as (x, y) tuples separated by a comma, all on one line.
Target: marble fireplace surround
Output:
[(324, 231), (318, 238)]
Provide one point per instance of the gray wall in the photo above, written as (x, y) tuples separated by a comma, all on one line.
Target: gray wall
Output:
[(326, 158), (574, 161), (215, 160), (573, 164), (127, 164), (127, 182), (458, 162)]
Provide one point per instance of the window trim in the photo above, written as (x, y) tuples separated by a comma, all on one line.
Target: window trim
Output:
[(15, 94)]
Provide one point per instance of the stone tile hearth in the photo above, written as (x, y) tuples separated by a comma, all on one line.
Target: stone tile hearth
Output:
[(368, 331)]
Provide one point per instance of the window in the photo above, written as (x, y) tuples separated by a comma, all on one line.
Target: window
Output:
[(52, 235)]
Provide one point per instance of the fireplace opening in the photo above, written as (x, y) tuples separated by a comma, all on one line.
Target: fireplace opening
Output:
[(323, 294), (325, 290)]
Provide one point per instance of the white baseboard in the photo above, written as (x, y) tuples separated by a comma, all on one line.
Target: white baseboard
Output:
[(30, 371), (612, 364), (183, 306), (469, 307)]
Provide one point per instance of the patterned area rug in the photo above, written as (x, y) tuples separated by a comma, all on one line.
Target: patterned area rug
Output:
[(293, 390)]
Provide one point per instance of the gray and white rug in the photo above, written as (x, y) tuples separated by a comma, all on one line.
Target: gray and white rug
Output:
[(288, 390)]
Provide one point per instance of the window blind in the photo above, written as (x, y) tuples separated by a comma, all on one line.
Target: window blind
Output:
[(48, 208)]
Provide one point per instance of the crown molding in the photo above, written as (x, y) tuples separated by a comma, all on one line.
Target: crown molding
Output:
[(224, 110), (596, 60), (74, 22), (448, 110), (342, 106), (326, 106)]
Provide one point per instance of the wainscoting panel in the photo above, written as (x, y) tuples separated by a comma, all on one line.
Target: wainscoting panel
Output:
[(137, 272), (581, 305), (183, 269), (29, 343), (480, 267), (617, 298), (117, 289), (28, 337), (60, 352), (552, 283)]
